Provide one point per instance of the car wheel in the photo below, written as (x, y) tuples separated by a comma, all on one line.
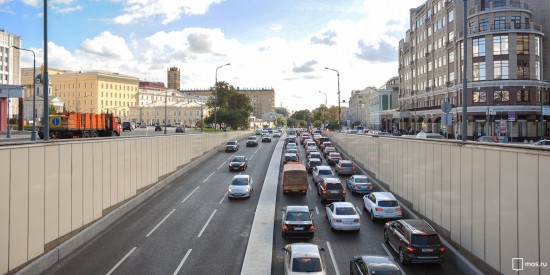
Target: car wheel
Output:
[(372, 218), (402, 258)]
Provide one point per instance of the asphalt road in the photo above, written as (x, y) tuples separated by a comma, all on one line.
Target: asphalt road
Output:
[(189, 227), (340, 247)]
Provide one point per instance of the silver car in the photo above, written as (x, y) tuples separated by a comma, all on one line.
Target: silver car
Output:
[(303, 258), (240, 187), (321, 172)]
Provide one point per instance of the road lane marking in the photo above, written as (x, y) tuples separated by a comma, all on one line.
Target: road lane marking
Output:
[(207, 222), (359, 210), (308, 186), (190, 194), (121, 260), (333, 260), (221, 165), (182, 261), (226, 192), (208, 177), (252, 156), (316, 210), (231, 156), (151, 232)]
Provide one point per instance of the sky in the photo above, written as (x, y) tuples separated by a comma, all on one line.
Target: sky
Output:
[(279, 44)]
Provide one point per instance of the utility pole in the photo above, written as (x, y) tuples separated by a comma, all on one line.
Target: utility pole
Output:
[(464, 77)]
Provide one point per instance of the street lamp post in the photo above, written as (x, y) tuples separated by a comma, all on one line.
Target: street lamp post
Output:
[(339, 110), (464, 78), (33, 133), (165, 113), (45, 76), (8, 133), (325, 97), (216, 100)]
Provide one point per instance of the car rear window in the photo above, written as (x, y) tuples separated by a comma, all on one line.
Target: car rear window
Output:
[(345, 211), (362, 180), (347, 164), (298, 216), (334, 155), (291, 158), (239, 181), (306, 264), (314, 163), (325, 172), (334, 186), (388, 203), (425, 239)]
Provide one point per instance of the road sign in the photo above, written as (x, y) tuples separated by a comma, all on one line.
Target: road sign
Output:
[(503, 127), (446, 119), (446, 107), (546, 110), (511, 115), (492, 112), (511, 119)]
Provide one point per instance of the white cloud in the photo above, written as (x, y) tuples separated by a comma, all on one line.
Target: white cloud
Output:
[(67, 9), (168, 11)]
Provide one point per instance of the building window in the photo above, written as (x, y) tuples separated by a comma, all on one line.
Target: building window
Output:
[(537, 45), (537, 70), (501, 96), (472, 27), (478, 47), (500, 22), (480, 96), (451, 56), (451, 16), (523, 44), (516, 22), (501, 69), (483, 25), (523, 96), (523, 69), (500, 44), (479, 72), (452, 76)]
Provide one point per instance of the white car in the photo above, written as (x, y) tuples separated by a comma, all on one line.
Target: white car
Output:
[(321, 172), (303, 258), (382, 205), (276, 134), (241, 186), (343, 216)]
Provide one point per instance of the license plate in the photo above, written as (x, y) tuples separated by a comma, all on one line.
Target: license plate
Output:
[(334, 192), (348, 222), (298, 228), (427, 250), (389, 211)]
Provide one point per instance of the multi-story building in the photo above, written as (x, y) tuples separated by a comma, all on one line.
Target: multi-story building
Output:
[(359, 106), (186, 113), (505, 67), (262, 100), (173, 75), (390, 112), (9, 74), (96, 91)]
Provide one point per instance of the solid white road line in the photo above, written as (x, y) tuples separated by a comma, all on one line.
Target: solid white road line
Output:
[(151, 232), (333, 260), (221, 165), (223, 198), (207, 222), (252, 156), (391, 256), (316, 210), (190, 194), (308, 186), (121, 260), (182, 261), (359, 210), (208, 177)]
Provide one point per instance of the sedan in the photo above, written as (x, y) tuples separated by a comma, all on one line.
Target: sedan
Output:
[(232, 146), (266, 138), (238, 163), (297, 222), (343, 216), (359, 184), (303, 258), (312, 163), (240, 187), (370, 264), (333, 158), (345, 167), (291, 158), (276, 134), (180, 129), (322, 171)]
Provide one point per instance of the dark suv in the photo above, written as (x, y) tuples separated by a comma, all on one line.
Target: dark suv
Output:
[(415, 241), (126, 126), (297, 222), (331, 189)]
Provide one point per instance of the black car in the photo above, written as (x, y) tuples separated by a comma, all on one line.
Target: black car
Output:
[(232, 146), (180, 129), (252, 141), (363, 265), (415, 241), (158, 128), (297, 222), (238, 163), (126, 126)]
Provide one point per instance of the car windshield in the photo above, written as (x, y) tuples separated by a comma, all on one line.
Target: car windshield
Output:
[(252, 138), (306, 264), (334, 186), (388, 203), (238, 159), (425, 239), (362, 180), (231, 143), (325, 172), (345, 211), (298, 216), (239, 181)]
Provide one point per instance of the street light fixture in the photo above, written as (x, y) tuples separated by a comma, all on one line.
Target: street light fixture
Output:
[(45, 76), (33, 133), (339, 110), (325, 97), (216, 102)]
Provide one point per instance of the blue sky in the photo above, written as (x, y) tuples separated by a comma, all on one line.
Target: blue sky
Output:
[(284, 44)]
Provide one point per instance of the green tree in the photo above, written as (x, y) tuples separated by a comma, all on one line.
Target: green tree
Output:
[(317, 123), (356, 123), (52, 109), (281, 121), (292, 122), (301, 115), (233, 108), (281, 110)]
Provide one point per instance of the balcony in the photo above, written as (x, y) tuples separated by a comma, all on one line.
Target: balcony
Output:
[(499, 5), (504, 27)]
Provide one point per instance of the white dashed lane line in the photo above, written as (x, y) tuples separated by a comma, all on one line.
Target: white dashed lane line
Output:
[(121, 261), (225, 195), (221, 165), (182, 261), (190, 194), (359, 210), (153, 230), (316, 210), (207, 222), (208, 177)]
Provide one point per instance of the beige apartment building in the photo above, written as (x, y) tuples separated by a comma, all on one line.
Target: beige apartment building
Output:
[(186, 113), (506, 73), (174, 78), (96, 91)]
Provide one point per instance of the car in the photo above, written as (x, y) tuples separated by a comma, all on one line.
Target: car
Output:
[(321, 140), (344, 167), (311, 163), (343, 216), (429, 136), (316, 155), (359, 184), (326, 144), (331, 189), (303, 258), (333, 158), (126, 126), (232, 146), (379, 133), (294, 178), (320, 172), (329, 150), (370, 264), (258, 132), (241, 186), (276, 134), (382, 205), (177, 124), (311, 149), (543, 142), (291, 158), (158, 128), (292, 145), (251, 141), (415, 241), (296, 221), (292, 150), (266, 138), (180, 129), (143, 125), (238, 163), (290, 139)]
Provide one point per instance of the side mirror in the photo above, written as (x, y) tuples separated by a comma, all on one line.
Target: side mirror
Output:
[(321, 249), (284, 249)]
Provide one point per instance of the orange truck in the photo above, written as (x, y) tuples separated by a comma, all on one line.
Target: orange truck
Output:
[(83, 125)]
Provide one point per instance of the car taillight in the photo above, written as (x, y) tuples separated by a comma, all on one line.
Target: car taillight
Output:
[(344, 191), (378, 209), (370, 186), (357, 220), (441, 249), (336, 220), (410, 249), (312, 227), (324, 191), (285, 227), (398, 209), (357, 186)]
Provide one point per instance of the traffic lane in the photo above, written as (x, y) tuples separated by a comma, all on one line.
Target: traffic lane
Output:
[(103, 252)]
